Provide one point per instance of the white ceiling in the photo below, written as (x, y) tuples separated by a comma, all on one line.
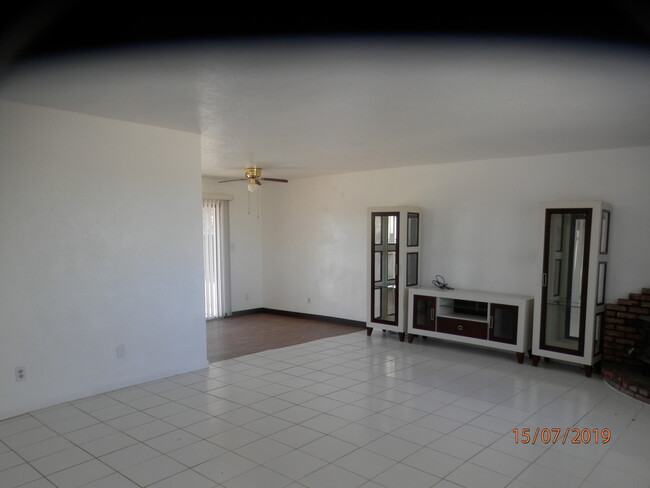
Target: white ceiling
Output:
[(307, 107)]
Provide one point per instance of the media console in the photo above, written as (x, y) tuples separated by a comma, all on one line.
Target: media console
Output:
[(495, 320)]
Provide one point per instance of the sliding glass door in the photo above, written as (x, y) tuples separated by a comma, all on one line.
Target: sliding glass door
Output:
[(216, 258)]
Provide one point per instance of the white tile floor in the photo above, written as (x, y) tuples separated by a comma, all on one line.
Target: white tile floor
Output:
[(344, 412)]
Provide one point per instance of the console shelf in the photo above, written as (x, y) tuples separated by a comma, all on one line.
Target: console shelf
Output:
[(496, 320), (462, 316)]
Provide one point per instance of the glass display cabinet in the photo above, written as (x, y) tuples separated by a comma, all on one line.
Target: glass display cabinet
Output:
[(570, 301), (394, 264)]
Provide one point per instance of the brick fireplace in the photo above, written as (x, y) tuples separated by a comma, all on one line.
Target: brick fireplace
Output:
[(625, 334)]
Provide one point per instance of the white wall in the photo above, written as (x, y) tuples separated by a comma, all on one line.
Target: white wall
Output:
[(480, 226), (245, 243), (100, 245)]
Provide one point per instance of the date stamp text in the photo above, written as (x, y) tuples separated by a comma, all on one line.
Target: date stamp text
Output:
[(568, 435)]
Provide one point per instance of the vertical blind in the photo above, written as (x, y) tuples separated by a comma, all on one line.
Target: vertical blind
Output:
[(216, 258)]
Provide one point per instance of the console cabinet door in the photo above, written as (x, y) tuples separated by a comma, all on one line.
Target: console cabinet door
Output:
[(503, 323), (424, 312)]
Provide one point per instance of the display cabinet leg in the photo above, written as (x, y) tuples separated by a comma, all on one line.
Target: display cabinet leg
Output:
[(588, 370), (410, 338), (368, 331), (401, 336), (535, 359), (520, 357)]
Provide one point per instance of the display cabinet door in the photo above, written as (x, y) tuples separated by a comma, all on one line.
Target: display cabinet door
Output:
[(424, 312), (385, 267), (564, 280), (503, 323)]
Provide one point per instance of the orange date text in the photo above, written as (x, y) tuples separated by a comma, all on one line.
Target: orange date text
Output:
[(568, 435)]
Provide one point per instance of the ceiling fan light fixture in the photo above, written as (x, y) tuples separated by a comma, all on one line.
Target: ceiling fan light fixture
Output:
[(252, 187), (253, 173)]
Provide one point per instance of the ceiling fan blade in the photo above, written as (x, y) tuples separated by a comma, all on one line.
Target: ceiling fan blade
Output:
[(279, 180), (238, 179)]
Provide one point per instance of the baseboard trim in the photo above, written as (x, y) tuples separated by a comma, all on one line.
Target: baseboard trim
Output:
[(250, 311), (306, 316)]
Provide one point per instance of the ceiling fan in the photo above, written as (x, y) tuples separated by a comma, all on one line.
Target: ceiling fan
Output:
[(253, 176)]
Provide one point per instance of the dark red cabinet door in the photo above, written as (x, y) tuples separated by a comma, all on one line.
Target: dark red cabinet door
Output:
[(503, 323), (424, 312)]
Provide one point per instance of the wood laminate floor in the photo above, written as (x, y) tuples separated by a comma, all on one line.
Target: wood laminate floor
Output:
[(247, 334)]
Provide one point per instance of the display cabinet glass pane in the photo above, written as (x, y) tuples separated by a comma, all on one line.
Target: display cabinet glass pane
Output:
[(602, 275), (378, 229), (391, 226), (413, 229), (384, 304), (598, 325), (377, 267), (567, 235), (390, 303), (557, 273), (376, 312), (558, 231), (604, 232), (411, 269), (391, 265)]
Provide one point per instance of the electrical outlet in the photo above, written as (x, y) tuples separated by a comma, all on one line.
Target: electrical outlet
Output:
[(308, 299), (20, 373), (120, 351)]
